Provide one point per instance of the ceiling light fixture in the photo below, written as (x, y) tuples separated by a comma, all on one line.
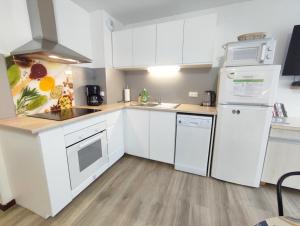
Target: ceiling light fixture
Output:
[(170, 69)]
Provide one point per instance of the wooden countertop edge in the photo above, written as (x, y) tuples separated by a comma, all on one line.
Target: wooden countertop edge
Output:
[(289, 123), (285, 127), (104, 109)]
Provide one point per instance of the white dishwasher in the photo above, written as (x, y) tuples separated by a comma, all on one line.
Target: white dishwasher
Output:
[(193, 140)]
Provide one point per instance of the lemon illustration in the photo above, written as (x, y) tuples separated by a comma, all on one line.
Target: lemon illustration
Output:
[(56, 92)]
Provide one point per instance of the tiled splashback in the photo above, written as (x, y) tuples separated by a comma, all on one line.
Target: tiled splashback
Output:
[(39, 86)]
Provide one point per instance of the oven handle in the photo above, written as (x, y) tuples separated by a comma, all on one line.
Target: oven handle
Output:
[(90, 141)]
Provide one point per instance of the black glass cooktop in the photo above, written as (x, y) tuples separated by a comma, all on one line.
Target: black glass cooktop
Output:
[(64, 114)]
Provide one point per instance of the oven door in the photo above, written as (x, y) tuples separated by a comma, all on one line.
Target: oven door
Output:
[(86, 158)]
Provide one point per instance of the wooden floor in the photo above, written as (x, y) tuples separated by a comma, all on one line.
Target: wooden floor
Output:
[(138, 192)]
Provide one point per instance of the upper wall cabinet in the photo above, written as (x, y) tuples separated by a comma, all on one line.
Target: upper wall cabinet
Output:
[(169, 43), (122, 48), (144, 43), (199, 35), (15, 25), (187, 42), (73, 26)]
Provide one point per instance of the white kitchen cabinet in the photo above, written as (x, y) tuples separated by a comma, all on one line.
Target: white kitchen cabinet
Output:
[(97, 39), (73, 26), (144, 43), (15, 25), (162, 136), (283, 156), (115, 136), (137, 132), (169, 43), (122, 48), (38, 169), (199, 36)]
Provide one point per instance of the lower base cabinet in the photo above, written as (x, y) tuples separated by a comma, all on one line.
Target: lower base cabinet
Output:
[(162, 136), (150, 134), (115, 136), (283, 156), (137, 132)]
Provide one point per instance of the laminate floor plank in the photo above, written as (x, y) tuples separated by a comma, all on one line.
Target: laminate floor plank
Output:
[(140, 192)]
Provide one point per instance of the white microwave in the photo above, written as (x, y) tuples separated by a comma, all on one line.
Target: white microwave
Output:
[(248, 53)]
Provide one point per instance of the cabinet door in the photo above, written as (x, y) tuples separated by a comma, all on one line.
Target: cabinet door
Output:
[(144, 43), (199, 35), (162, 136), (283, 156), (137, 132), (73, 27), (122, 48), (115, 136), (169, 42)]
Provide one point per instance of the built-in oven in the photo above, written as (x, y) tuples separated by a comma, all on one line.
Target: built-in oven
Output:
[(87, 154), (248, 53)]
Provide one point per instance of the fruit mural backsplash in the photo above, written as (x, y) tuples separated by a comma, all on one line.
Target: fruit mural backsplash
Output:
[(39, 86)]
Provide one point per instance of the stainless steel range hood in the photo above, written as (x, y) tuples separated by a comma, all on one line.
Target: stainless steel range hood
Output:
[(45, 44)]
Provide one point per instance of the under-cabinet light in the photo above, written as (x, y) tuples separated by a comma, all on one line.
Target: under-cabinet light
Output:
[(161, 70)]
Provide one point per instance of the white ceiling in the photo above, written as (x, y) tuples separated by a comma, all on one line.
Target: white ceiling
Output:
[(133, 11)]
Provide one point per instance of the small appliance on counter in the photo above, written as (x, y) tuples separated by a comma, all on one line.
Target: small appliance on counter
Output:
[(209, 99), (93, 97)]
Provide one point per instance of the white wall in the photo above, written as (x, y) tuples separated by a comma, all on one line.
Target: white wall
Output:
[(276, 17)]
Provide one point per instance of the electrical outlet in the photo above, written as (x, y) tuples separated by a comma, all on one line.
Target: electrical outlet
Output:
[(102, 93), (193, 94)]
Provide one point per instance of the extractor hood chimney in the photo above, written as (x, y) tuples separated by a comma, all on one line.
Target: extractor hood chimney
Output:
[(44, 44)]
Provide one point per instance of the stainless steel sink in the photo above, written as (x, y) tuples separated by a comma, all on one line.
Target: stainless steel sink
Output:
[(145, 105), (167, 106), (156, 105)]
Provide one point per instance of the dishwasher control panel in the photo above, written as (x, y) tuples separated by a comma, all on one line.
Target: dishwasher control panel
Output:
[(194, 121)]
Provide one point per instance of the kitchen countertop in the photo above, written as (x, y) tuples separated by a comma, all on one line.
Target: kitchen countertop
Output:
[(289, 123), (36, 125)]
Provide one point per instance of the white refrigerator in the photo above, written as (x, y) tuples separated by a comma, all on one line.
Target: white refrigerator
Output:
[(245, 99)]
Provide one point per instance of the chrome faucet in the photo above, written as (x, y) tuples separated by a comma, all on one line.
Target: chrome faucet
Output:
[(159, 100)]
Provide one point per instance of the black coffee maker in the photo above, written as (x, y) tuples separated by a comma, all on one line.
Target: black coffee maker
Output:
[(93, 97)]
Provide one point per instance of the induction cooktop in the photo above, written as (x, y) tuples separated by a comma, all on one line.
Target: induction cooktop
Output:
[(65, 114)]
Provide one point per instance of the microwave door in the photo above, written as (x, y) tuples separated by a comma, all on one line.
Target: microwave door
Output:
[(244, 56)]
